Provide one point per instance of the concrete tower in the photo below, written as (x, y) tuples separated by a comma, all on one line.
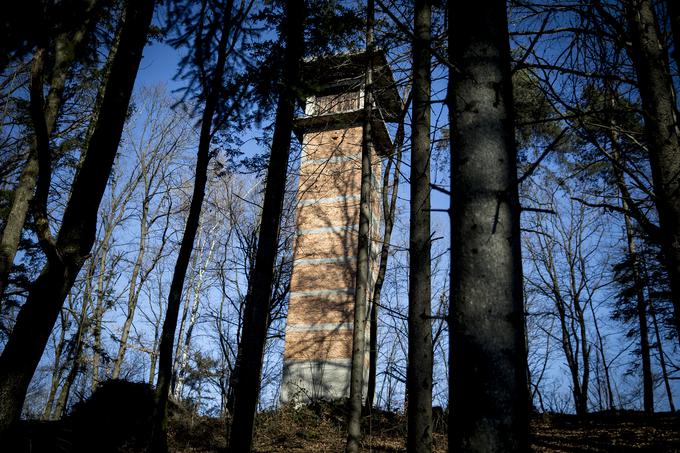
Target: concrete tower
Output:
[(318, 348)]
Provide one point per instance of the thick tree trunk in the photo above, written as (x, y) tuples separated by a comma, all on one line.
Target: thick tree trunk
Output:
[(77, 233), (256, 315), (66, 48), (158, 442), (356, 383), (488, 390), (661, 128), (419, 371)]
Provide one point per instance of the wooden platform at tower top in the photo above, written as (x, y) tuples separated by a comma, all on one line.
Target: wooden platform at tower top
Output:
[(335, 92)]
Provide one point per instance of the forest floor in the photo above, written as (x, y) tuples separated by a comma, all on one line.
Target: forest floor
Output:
[(321, 428)]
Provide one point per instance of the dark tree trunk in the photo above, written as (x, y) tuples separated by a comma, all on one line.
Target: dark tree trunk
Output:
[(77, 233), (488, 389), (662, 358), (419, 371), (356, 382), (673, 8), (65, 49), (249, 362), (641, 308), (661, 128), (158, 443)]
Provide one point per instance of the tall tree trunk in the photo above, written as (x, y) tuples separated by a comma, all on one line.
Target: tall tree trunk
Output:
[(362, 285), (100, 307), (419, 371), (66, 47), (253, 337), (488, 391), (249, 361), (185, 312), (603, 357), (182, 363), (661, 128), (77, 233), (77, 352), (638, 281), (158, 442)]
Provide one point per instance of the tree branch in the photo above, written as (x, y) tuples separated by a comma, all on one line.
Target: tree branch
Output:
[(42, 146)]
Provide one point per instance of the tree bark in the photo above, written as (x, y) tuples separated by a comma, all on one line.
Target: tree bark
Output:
[(77, 233), (488, 390), (419, 371), (661, 129)]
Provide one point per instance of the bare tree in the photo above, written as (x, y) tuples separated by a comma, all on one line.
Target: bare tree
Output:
[(65, 50), (563, 270), (162, 133), (67, 252)]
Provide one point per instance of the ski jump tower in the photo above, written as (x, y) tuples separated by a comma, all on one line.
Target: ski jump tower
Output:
[(318, 347)]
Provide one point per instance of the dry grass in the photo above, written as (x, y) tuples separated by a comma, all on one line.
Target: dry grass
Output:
[(321, 428)]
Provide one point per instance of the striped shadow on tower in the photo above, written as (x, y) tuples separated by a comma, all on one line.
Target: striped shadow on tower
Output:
[(318, 346)]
